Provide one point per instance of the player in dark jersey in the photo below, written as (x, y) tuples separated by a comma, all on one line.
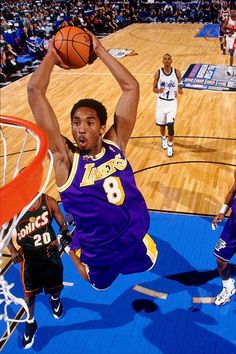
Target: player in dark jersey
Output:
[(95, 181), (226, 246), (41, 265), (223, 15)]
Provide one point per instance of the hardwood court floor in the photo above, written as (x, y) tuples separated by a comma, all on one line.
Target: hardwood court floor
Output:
[(200, 174)]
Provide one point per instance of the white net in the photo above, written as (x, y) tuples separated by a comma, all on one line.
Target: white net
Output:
[(16, 155)]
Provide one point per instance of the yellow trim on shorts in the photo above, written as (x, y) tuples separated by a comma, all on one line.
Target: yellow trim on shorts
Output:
[(152, 251), (78, 252)]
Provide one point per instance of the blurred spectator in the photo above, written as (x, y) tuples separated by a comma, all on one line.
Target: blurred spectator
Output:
[(169, 13), (11, 65)]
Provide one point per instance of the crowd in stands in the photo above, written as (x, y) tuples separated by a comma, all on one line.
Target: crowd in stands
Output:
[(27, 25)]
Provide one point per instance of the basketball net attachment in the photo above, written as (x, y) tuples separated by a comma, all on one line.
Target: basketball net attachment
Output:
[(18, 192)]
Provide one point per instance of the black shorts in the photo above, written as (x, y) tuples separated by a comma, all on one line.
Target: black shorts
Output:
[(42, 274)]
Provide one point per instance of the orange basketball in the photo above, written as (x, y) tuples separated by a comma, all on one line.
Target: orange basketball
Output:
[(73, 45)]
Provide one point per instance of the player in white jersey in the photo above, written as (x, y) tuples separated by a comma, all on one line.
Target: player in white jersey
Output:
[(167, 84), (223, 15), (229, 26)]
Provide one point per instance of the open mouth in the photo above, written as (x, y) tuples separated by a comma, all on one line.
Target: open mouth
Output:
[(82, 143)]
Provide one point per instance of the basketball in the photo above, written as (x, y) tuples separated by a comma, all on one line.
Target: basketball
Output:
[(73, 45)]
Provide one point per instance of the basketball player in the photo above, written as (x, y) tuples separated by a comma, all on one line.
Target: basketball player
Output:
[(223, 15), (226, 246), (229, 27), (167, 84), (41, 266), (96, 182)]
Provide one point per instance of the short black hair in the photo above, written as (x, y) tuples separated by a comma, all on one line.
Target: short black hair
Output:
[(91, 103), (8, 54)]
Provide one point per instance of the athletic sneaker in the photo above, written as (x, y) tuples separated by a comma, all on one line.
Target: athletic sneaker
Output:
[(170, 151), (230, 72), (164, 143), (226, 293), (57, 307), (28, 336)]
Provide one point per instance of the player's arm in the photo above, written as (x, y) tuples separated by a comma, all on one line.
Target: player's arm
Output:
[(180, 83), (63, 237), (224, 26), (126, 108), (16, 255), (227, 204), (219, 17), (56, 213), (155, 81), (44, 114)]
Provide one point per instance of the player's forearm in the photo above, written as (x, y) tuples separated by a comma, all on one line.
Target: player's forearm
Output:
[(230, 197), (11, 247), (40, 78)]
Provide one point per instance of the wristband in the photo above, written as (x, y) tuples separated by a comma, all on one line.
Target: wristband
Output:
[(224, 209)]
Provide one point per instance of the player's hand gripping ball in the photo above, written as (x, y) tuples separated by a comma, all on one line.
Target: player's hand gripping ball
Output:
[(73, 46)]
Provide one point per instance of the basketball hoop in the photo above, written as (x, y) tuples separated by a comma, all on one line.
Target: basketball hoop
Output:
[(19, 190)]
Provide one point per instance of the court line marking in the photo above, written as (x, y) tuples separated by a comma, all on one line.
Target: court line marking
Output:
[(68, 72), (67, 283), (203, 300), (150, 292)]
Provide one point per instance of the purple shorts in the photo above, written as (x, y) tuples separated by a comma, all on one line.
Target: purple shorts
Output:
[(141, 259), (226, 245)]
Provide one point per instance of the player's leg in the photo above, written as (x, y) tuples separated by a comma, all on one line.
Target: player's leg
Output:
[(170, 126), (52, 278), (30, 325), (230, 46), (224, 45), (101, 278), (143, 258), (56, 304), (228, 290), (222, 40), (163, 137), (81, 267), (161, 121), (224, 250), (31, 287)]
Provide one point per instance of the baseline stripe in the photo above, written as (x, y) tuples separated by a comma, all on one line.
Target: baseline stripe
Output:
[(150, 292), (203, 300)]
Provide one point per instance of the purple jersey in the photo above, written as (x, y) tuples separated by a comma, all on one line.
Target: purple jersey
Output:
[(226, 245), (109, 211)]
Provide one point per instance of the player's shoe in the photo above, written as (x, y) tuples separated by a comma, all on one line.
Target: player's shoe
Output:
[(57, 307), (28, 336), (170, 151), (164, 143), (230, 72), (228, 291)]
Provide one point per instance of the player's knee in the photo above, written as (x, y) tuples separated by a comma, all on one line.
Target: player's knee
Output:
[(231, 53), (221, 264), (170, 127)]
